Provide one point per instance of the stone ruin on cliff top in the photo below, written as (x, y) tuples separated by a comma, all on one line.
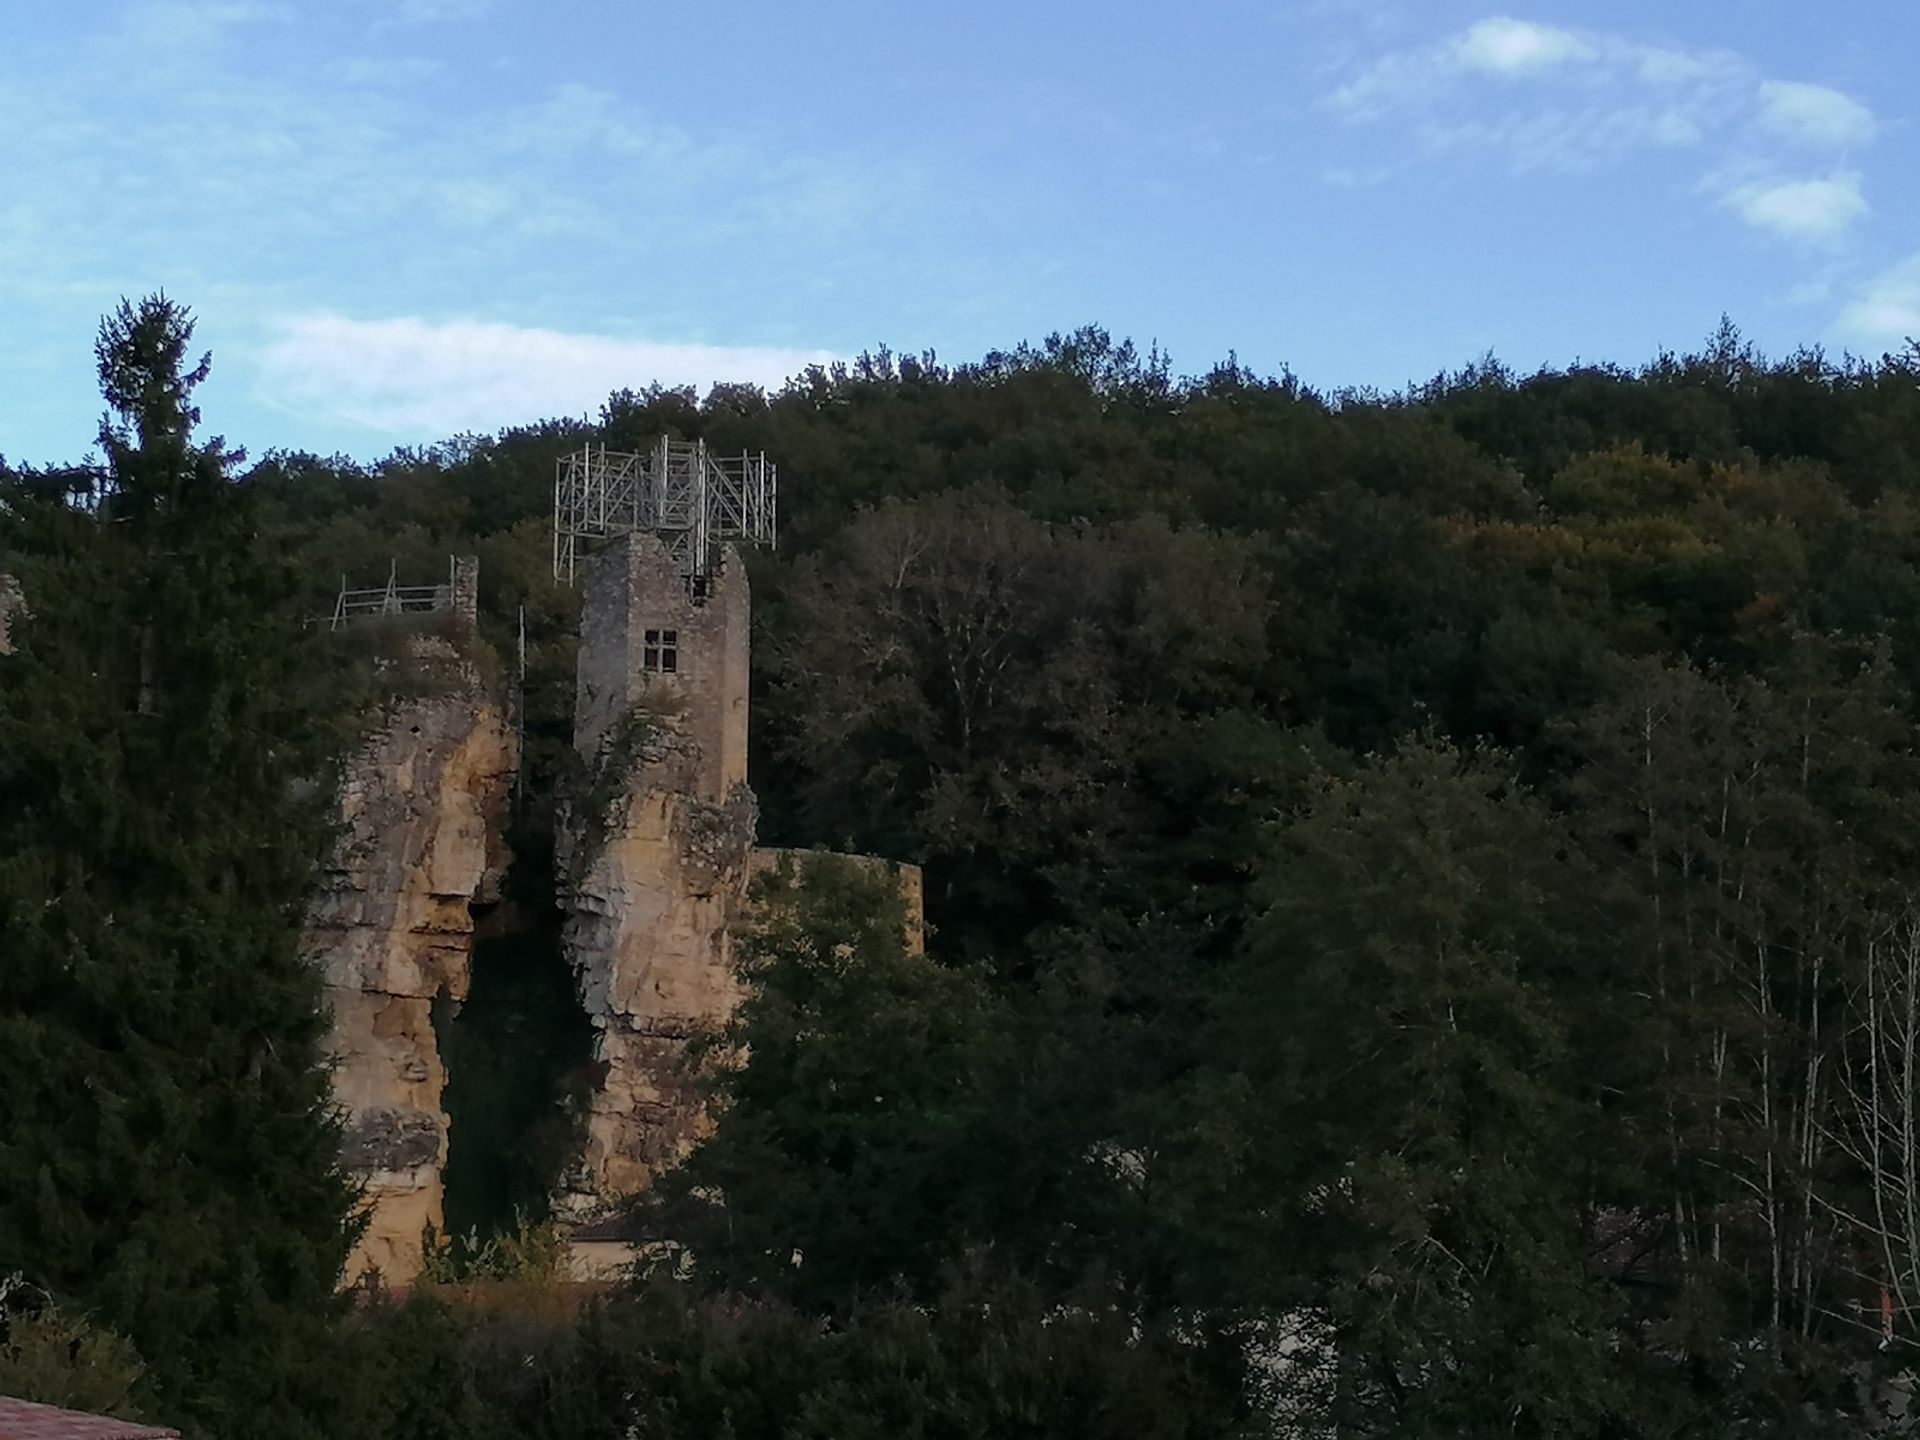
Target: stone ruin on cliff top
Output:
[(653, 883)]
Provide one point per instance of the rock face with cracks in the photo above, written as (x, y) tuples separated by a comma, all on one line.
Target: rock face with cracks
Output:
[(656, 886), (421, 807)]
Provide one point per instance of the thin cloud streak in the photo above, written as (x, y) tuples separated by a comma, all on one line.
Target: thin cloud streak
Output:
[(411, 378), (1541, 65), (1629, 93), (1548, 98)]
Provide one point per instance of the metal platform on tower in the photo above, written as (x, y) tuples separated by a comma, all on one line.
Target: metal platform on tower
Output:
[(694, 499)]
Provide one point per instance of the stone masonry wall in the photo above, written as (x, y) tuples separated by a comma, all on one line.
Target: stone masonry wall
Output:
[(421, 805), (908, 878), (632, 587)]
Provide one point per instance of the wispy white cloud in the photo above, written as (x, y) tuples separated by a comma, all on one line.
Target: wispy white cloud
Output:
[(1505, 46), (573, 118), (1561, 97), (255, 191), (1885, 312), (408, 377), (1820, 210), (1814, 115), (1547, 97), (1812, 290), (1565, 137)]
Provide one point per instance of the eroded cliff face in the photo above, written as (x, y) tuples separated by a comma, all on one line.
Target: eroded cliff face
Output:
[(656, 877), (422, 805)]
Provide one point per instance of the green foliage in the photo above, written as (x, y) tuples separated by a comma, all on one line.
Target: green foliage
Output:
[(529, 1250), (1397, 867), (849, 1150), (963, 684), (983, 1355), (169, 1160), (1428, 1160), (54, 1358)]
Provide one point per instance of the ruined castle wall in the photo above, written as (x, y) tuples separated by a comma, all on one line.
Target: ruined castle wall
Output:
[(422, 804), (465, 599), (907, 878)]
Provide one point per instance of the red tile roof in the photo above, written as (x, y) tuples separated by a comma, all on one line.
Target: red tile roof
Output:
[(23, 1420)]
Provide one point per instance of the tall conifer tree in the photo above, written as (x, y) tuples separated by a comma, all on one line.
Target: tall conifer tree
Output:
[(167, 1152)]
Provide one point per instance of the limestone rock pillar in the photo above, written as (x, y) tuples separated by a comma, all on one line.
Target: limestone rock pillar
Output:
[(422, 805)]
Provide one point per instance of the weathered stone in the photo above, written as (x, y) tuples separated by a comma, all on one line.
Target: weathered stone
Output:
[(656, 859), (421, 806), (634, 591), (391, 1140), (648, 933)]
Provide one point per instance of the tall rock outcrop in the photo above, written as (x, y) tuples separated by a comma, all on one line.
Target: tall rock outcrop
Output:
[(654, 889), (422, 805)]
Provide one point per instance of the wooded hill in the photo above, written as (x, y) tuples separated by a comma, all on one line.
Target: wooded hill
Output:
[(1423, 882)]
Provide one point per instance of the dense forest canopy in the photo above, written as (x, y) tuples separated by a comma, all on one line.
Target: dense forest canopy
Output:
[(1421, 891)]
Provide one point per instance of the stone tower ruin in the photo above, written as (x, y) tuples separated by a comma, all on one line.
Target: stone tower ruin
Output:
[(655, 853), (656, 646)]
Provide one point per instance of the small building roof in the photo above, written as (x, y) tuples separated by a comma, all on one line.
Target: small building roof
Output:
[(24, 1420)]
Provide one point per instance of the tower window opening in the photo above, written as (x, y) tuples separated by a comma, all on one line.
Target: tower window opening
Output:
[(660, 652)]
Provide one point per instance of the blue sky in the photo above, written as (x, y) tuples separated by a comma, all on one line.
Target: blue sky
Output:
[(402, 219)]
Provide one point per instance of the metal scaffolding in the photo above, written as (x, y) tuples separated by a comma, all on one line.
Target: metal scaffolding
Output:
[(694, 500)]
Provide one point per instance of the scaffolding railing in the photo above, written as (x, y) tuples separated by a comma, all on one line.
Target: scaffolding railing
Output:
[(694, 499), (393, 598)]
